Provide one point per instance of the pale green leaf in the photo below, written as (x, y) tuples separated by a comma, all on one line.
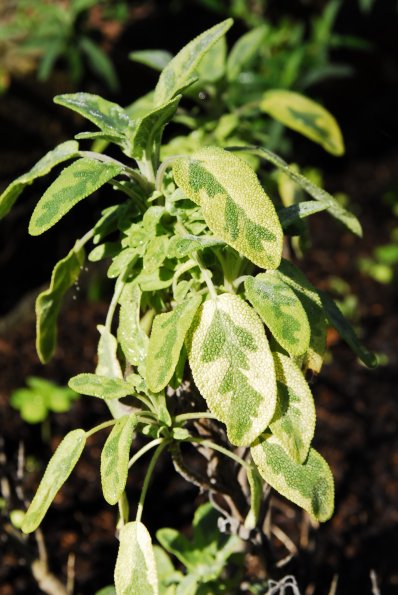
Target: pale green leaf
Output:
[(132, 339), (103, 387), (293, 423), (135, 570), (245, 51), (281, 310), (309, 485), (181, 246), (155, 253), (233, 203), (115, 458), (166, 341), (295, 213), (61, 153), (233, 367), (108, 363), (341, 324), (305, 116), (256, 484), (156, 59), (48, 302), (75, 182), (180, 70), (57, 472), (212, 66)]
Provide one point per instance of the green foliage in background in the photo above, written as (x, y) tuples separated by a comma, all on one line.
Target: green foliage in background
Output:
[(40, 398)]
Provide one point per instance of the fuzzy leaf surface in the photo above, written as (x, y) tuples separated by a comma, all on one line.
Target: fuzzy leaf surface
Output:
[(75, 182), (180, 70), (135, 570), (233, 367), (103, 387), (133, 340), (61, 153), (115, 458), (48, 302), (295, 213), (293, 423), (281, 310), (305, 116), (108, 363), (309, 485), (233, 203), (57, 472), (181, 246), (166, 341)]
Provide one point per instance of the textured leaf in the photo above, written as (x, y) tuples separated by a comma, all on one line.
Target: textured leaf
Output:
[(233, 367), (311, 302), (305, 116), (135, 570), (212, 66), (57, 472), (293, 423), (108, 363), (181, 246), (233, 203), (156, 59), (295, 213), (334, 208), (166, 341), (48, 302), (109, 117), (103, 387), (341, 324), (133, 340), (310, 485), (181, 68), (115, 458), (75, 182), (63, 152), (281, 310), (244, 51)]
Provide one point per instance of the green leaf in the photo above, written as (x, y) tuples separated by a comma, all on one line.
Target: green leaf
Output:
[(245, 51), (115, 458), (156, 59), (135, 570), (181, 246), (293, 423), (106, 115), (341, 324), (281, 310), (233, 367), (132, 339), (31, 405), (256, 484), (48, 302), (100, 63), (58, 470), (180, 70), (61, 153), (234, 205), (103, 387), (309, 485), (75, 182), (305, 116), (212, 66), (108, 364), (166, 341), (295, 213)]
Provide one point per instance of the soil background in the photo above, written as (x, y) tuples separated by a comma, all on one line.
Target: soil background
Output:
[(357, 423)]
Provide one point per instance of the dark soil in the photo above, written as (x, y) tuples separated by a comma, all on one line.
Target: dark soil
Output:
[(357, 423)]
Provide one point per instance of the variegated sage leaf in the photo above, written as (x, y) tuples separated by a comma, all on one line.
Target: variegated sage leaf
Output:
[(166, 341), (181, 246), (245, 51), (62, 152), (341, 324), (233, 367), (233, 203), (180, 70), (132, 338), (309, 297), (115, 458), (293, 423), (75, 182), (281, 310), (135, 570), (103, 387), (309, 485), (305, 116), (212, 65), (108, 363), (48, 302), (57, 472)]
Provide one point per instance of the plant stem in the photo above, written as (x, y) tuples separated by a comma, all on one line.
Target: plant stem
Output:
[(200, 415), (106, 424), (134, 175), (206, 276), (143, 450), (162, 170), (86, 238), (223, 451), (147, 479), (112, 306)]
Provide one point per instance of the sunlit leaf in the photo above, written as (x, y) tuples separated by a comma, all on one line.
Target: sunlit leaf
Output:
[(115, 458), (309, 485), (103, 387), (256, 484), (57, 472), (244, 51), (135, 570), (61, 153), (212, 66), (133, 340), (77, 181), (233, 203), (232, 366), (295, 213), (108, 363), (181, 246), (48, 302), (156, 59)]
